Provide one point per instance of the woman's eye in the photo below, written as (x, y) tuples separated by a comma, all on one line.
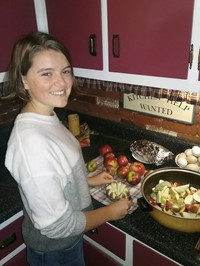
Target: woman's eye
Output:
[(46, 74), (68, 71)]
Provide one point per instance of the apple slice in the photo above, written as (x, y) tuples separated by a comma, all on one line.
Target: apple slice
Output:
[(174, 194), (117, 190), (165, 192), (196, 196), (181, 189), (114, 186), (158, 197), (189, 215), (188, 199)]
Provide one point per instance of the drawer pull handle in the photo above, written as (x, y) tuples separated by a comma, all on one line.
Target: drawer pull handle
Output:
[(92, 45), (94, 231), (8, 241), (115, 45)]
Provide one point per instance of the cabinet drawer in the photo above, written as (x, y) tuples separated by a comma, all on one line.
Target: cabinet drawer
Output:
[(11, 237), (110, 238), (19, 259), (94, 256), (151, 255)]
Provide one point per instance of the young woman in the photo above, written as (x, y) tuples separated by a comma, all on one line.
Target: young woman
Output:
[(45, 159)]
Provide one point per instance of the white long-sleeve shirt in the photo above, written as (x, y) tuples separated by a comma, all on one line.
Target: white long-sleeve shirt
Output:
[(46, 161)]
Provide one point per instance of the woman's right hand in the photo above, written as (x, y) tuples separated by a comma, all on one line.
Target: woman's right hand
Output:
[(119, 209)]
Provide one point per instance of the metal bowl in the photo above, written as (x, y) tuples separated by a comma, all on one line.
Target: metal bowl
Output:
[(174, 174)]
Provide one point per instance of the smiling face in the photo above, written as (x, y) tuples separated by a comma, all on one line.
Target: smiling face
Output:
[(49, 82)]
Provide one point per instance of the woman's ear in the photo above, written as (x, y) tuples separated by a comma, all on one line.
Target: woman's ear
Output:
[(24, 81)]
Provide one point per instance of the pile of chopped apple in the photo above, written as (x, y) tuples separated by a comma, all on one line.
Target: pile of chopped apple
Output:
[(117, 191), (176, 199)]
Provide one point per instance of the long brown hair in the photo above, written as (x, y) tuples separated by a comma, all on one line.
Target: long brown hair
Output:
[(22, 59)]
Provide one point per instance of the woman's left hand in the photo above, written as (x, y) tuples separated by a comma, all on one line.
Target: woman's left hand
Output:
[(102, 178)]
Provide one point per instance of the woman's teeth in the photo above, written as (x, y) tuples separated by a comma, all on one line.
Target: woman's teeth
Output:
[(57, 92)]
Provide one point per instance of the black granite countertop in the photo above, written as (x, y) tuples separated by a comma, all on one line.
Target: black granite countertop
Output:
[(10, 202), (140, 225)]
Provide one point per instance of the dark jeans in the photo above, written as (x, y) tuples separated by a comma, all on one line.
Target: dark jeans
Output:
[(72, 256)]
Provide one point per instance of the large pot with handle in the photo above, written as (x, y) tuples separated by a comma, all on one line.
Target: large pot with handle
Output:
[(171, 174)]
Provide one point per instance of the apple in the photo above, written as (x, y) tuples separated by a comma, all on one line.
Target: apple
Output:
[(176, 184), (137, 167), (153, 202), (122, 171), (133, 177), (122, 160), (192, 208), (169, 204), (109, 155), (110, 170), (91, 166), (104, 149), (112, 162)]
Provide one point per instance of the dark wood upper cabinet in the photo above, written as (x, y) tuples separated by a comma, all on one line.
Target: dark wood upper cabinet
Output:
[(78, 26), (16, 18), (150, 37)]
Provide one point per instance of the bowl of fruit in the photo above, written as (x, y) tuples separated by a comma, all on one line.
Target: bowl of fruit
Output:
[(172, 197)]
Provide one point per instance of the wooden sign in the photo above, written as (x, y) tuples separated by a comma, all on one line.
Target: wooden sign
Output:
[(163, 107)]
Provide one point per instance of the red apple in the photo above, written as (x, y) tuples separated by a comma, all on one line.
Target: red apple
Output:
[(110, 170), (104, 149), (91, 166), (169, 204), (109, 155), (176, 184), (137, 167), (152, 202), (122, 160), (122, 171), (192, 208), (112, 162), (133, 177)]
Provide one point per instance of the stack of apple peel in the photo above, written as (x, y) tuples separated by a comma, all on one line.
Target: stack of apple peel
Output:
[(117, 191), (176, 199)]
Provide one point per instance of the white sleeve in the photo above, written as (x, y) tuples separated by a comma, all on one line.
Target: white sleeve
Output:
[(42, 188)]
